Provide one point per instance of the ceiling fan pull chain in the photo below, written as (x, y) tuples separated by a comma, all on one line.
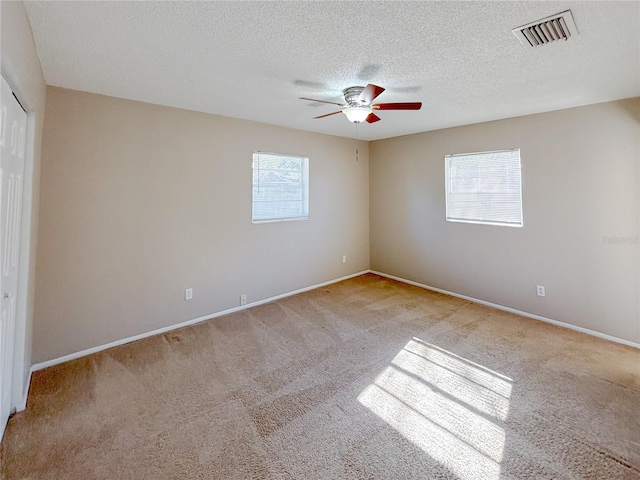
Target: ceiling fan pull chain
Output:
[(357, 143)]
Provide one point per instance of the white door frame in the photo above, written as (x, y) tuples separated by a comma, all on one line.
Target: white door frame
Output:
[(26, 278)]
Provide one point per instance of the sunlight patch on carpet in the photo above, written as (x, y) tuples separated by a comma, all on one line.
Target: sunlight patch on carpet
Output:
[(451, 408)]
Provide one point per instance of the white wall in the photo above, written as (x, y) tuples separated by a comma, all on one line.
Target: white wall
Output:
[(580, 170), (141, 201), (21, 68)]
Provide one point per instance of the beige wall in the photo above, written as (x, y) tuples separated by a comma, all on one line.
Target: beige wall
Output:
[(141, 201), (21, 69), (580, 183)]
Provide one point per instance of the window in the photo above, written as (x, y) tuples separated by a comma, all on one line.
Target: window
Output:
[(280, 187), (484, 188)]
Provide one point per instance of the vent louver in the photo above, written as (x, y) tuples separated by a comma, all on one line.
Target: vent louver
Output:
[(556, 27)]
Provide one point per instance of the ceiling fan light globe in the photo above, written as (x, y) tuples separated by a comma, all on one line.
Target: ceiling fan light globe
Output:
[(357, 114)]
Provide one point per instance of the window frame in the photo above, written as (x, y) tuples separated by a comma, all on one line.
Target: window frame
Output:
[(304, 185), (448, 194)]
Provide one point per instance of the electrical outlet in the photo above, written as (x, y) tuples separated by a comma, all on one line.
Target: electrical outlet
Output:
[(243, 299), (540, 290), (344, 259), (188, 294)]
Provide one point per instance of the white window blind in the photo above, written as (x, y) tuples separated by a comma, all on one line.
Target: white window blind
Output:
[(484, 188), (280, 187)]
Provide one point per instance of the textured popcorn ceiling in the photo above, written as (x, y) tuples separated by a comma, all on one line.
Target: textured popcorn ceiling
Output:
[(253, 60)]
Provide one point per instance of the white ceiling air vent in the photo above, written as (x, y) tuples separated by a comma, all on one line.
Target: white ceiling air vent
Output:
[(556, 27)]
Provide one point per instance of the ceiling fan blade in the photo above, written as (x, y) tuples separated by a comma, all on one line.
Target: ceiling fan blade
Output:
[(397, 106), (372, 118), (321, 101), (328, 114), (369, 93)]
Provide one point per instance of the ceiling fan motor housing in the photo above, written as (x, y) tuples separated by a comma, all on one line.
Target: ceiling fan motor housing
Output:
[(351, 95)]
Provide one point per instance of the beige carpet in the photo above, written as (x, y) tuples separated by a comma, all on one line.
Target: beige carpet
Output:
[(364, 379)]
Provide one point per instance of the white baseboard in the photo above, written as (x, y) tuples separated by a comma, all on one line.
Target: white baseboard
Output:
[(89, 351), (513, 310)]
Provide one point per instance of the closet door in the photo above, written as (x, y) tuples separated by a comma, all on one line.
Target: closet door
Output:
[(13, 127)]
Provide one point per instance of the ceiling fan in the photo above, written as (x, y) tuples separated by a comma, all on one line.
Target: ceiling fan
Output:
[(359, 107)]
